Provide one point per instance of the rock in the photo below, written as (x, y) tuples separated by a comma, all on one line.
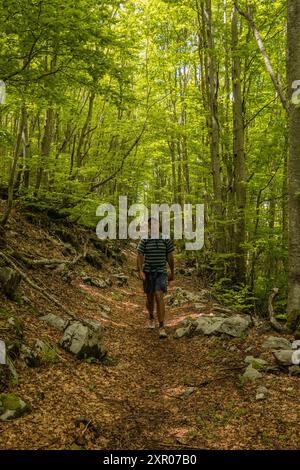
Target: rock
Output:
[(261, 393), (284, 356), (294, 371), (60, 268), (55, 321), (121, 280), (105, 311), (296, 357), (84, 340), (29, 357), (188, 392), (236, 325), (208, 325), (276, 342), (9, 282), (100, 283), (256, 362), (296, 344), (41, 353), (180, 332), (12, 407), (105, 308), (180, 297), (251, 373)]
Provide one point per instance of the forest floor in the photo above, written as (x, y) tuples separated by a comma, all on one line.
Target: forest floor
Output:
[(156, 394)]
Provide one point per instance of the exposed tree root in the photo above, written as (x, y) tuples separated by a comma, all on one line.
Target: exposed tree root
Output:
[(275, 324)]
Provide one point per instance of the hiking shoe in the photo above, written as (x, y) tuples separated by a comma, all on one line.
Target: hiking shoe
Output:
[(162, 333), (151, 324)]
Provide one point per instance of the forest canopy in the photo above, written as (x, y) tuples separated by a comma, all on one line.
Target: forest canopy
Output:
[(168, 102)]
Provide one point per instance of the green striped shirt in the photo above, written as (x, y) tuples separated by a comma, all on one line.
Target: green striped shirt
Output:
[(155, 253)]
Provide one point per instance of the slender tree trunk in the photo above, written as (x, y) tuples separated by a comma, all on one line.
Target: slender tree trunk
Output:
[(211, 88), (45, 146), (84, 131), (11, 183), (238, 153)]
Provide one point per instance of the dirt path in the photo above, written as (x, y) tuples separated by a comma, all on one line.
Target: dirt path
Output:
[(169, 394)]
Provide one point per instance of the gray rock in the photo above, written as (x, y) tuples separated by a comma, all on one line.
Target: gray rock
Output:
[(55, 321), (12, 407), (84, 340), (180, 297), (251, 373), (296, 344), (236, 325), (208, 325), (100, 283), (294, 371), (296, 357), (284, 356), (9, 282), (276, 342), (180, 332), (256, 362), (261, 393), (105, 308), (29, 357)]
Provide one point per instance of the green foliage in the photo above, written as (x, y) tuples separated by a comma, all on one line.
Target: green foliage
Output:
[(116, 100), (238, 296)]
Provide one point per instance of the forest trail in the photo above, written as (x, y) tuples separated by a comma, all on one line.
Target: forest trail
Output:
[(153, 394)]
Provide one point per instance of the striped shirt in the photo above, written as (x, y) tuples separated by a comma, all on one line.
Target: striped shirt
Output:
[(155, 251)]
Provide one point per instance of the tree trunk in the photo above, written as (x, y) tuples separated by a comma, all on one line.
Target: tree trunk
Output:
[(45, 146), (238, 153), (293, 65), (11, 183)]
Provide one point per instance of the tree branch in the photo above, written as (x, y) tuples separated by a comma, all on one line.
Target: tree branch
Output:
[(265, 56)]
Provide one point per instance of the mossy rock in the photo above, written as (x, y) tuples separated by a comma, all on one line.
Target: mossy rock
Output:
[(12, 407)]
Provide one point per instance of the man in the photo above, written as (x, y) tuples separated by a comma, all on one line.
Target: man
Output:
[(152, 259)]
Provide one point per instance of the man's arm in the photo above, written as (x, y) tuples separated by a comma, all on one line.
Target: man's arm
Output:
[(140, 264), (171, 264)]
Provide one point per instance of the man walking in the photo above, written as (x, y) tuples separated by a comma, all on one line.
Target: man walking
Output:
[(153, 256)]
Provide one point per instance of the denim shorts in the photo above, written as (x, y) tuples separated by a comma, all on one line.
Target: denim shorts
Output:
[(155, 281)]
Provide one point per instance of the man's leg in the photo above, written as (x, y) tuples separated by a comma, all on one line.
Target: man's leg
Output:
[(161, 311), (150, 305), (160, 304)]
